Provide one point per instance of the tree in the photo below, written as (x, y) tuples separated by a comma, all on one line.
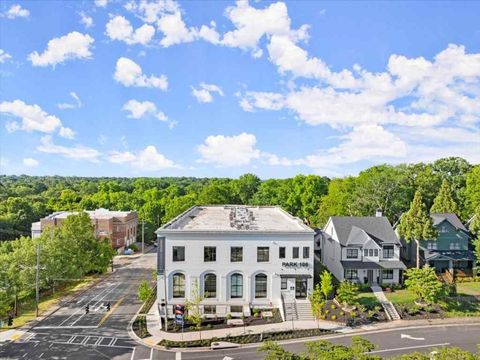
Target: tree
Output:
[(338, 200), (245, 187), (444, 202), (347, 293), (317, 301), (443, 353), (326, 280), (416, 224), (424, 283), (472, 191), (454, 170), (193, 307), (145, 292)]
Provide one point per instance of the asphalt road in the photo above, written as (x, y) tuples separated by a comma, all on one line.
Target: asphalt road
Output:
[(390, 342), (70, 333)]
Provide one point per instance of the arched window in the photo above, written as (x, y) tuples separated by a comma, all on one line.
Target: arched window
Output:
[(210, 286), (178, 285), (236, 286), (260, 286)]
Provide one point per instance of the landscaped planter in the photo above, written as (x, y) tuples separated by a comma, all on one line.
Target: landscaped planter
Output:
[(355, 315)]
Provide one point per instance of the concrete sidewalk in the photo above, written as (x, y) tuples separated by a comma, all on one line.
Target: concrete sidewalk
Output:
[(153, 325)]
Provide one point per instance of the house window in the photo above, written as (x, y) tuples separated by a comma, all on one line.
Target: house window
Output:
[(351, 274), (262, 254), (178, 253), (370, 252), (236, 309), (388, 252), (352, 253), (387, 274), (236, 254), (432, 245), (283, 284), (236, 286), (454, 246), (209, 253), (306, 252), (295, 252), (209, 309), (443, 229), (281, 252), (178, 285), (260, 286), (365, 252), (375, 252), (210, 286)]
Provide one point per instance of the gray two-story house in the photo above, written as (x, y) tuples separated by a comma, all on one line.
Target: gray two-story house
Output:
[(450, 250), (362, 249)]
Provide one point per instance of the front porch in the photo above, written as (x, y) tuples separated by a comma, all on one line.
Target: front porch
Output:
[(371, 273)]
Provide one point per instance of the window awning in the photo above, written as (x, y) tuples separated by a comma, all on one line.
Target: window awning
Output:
[(296, 276)]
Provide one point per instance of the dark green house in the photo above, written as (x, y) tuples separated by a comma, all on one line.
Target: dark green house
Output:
[(450, 250)]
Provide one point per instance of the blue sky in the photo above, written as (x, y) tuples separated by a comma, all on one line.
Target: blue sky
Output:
[(220, 88)]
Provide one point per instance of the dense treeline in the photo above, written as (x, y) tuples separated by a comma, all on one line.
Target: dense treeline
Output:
[(24, 199)]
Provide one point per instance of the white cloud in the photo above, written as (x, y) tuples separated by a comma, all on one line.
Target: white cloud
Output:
[(203, 94), (129, 73), (77, 152), (262, 100), (86, 20), (148, 159), (30, 162), (4, 56), (119, 28), (32, 117), (138, 109), (16, 11), (101, 3), (233, 150), (71, 46), (66, 133), (76, 105)]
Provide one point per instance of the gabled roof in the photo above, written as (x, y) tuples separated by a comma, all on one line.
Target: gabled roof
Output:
[(376, 228), (450, 217)]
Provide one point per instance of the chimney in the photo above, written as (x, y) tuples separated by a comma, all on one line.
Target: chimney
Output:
[(378, 213)]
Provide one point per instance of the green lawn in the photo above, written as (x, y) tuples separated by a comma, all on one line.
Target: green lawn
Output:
[(368, 300), (400, 297), (468, 288)]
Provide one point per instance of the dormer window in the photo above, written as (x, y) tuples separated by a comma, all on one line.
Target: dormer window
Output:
[(352, 253), (443, 229), (388, 252), (432, 245)]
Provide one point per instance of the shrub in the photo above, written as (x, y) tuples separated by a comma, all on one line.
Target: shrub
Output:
[(333, 317), (341, 313), (353, 314), (333, 307), (327, 312), (133, 247)]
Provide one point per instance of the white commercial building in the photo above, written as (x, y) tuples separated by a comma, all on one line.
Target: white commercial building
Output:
[(237, 257)]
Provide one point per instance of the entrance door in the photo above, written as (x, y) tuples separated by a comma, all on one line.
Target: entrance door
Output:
[(300, 288), (370, 276)]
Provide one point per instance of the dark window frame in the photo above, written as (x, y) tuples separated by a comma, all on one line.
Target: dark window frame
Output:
[(282, 252), (306, 252), (175, 253), (263, 254), (295, 252), (210, 285), (261, 286), (283, 283), (237, 255), (350, 273), (389, 276), (178, 288), (236, 288), (209, 253), (210, 308), (388, 252)]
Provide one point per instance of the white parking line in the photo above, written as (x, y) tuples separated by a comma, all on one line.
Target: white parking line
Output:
[(407, 348)]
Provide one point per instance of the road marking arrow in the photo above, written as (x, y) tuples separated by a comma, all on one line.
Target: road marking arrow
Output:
[(405, 336)]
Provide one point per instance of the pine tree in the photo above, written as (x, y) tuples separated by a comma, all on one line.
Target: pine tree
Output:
[(416, 224), (444, 202)]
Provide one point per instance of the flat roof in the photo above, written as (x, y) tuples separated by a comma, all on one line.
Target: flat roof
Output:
[(235, 218), (96, 214)]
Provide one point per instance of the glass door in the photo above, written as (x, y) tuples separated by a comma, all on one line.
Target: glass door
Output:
[(300, 288)]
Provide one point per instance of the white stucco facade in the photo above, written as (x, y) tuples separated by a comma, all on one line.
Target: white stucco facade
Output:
[(238, 280)]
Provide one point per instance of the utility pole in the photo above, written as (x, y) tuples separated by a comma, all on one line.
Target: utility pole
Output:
[(37, 278), (143, 236)]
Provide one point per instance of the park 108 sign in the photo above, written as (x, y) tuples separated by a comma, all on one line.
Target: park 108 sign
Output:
[(295, 264)]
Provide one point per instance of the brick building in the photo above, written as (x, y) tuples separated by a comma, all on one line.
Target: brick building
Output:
[(119, 226)]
